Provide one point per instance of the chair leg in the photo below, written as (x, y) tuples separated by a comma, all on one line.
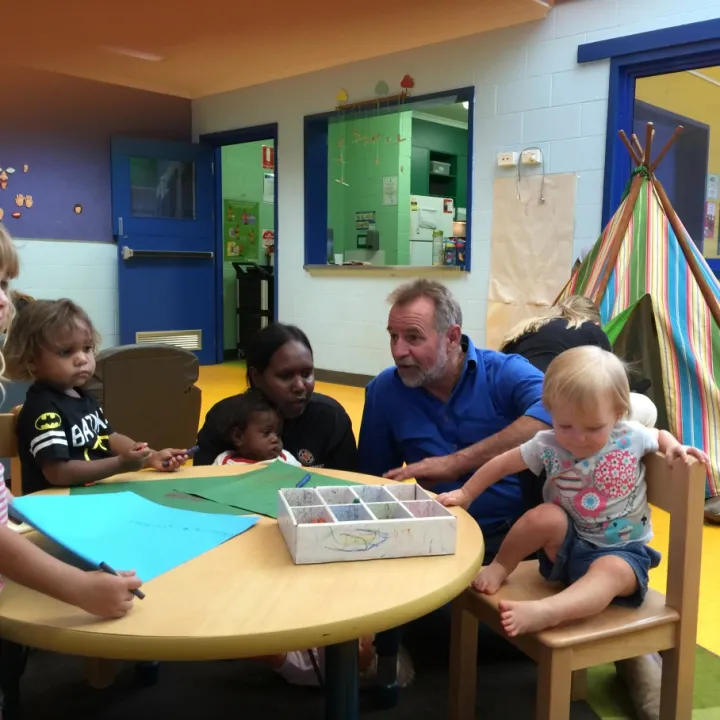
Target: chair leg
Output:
[(578, 686), (554, 685), (101, 674), (678, 675), (463, 661)]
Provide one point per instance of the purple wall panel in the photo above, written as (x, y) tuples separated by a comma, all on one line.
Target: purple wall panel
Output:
[(61, 127)]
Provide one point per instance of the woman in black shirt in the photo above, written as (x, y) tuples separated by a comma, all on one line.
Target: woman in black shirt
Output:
[(316, 428), (573, 322)]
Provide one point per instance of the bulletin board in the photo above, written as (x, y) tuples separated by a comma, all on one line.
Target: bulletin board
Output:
[(240, 230), (532, 249)]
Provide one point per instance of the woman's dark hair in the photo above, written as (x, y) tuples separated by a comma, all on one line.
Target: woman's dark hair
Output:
[(240, 411), (266, 342)]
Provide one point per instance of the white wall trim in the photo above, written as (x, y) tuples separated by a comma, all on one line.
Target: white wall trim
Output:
[(428, 117)]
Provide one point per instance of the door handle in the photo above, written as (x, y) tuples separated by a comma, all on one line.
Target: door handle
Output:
[(128, 253)]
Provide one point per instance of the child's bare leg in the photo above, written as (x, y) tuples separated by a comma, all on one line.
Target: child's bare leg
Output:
[(545, 526), (607, 578)]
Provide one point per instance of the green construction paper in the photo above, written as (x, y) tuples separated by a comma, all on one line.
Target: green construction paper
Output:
[(178, 493), (257, 491)]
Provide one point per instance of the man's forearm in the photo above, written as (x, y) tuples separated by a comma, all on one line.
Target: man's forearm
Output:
[(471, 458)]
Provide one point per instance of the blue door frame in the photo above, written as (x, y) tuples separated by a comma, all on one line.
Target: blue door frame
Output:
[(217, 141), (686, 47)]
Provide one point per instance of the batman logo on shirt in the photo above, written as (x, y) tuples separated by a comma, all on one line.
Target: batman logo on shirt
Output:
[(48, 421)]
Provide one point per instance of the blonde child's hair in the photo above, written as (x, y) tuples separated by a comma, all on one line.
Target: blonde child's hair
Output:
[(576, 309), (10, 266), (581, 376)]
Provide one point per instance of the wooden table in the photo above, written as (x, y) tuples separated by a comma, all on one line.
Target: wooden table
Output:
[(246, 598)]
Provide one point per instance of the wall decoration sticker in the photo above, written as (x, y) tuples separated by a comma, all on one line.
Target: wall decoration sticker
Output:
[(28, 201), (77, 209), (19, 200)]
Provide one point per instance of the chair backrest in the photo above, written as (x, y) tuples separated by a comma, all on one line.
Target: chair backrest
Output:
[(9, 448), (148, 392), (680, 491)]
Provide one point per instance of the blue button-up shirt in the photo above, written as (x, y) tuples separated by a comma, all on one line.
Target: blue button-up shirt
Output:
[(402, 424)]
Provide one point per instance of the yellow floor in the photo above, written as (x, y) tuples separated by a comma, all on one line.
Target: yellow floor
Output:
[(219, 381)]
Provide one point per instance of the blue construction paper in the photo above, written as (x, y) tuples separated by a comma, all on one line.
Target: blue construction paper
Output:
[(127, 531)]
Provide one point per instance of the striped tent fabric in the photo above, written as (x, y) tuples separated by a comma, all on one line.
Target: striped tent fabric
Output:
[(650, 262)]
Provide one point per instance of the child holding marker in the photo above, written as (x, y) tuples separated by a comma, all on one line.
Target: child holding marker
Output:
[(64, 437), (593, 528), (99, 593)]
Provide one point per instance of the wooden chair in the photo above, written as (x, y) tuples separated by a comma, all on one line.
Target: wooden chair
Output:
[(8, 449), (664, 623)]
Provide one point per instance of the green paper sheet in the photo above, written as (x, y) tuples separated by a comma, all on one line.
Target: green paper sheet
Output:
[(179, 493), (257, 491)]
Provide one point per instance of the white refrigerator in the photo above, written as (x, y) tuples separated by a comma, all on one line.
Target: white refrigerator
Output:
[(428, 214)]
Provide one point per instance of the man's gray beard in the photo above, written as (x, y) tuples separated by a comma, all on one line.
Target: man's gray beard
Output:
[(421, 378)]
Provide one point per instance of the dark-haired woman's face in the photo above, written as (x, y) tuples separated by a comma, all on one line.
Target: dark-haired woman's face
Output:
[(289, 379)]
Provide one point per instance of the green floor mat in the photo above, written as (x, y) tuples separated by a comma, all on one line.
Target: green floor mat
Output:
[(608, 698)]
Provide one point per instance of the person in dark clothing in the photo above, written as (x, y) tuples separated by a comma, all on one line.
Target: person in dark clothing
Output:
[(316, 429), (571, 323)]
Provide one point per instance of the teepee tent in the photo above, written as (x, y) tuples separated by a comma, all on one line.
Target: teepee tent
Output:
[(660, 306)]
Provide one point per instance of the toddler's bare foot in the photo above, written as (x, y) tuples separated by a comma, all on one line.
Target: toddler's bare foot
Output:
[(526, 616), (489, 579)]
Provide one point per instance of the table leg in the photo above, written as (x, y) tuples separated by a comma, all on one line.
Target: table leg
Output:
[(386, 692), (12, 666), (341, 681)]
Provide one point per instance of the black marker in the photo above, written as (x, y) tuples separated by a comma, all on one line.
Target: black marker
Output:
[(189, 452), (139, 594)]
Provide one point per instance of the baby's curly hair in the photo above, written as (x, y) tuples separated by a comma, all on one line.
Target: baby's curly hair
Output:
[(41, 325)]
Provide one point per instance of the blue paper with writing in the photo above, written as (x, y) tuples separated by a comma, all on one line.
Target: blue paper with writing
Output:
[(127, 531)]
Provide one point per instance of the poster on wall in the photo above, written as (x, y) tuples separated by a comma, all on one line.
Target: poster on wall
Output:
[(240, 230), (268, 157), (390, 190), (710, 214), (269, 188), (364, 219)]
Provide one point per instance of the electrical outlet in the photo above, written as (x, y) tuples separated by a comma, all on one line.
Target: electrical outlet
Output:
[(509, 159), (531, 157)]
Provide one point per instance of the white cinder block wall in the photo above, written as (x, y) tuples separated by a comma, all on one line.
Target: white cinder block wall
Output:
[(85, 272), (529, 91)]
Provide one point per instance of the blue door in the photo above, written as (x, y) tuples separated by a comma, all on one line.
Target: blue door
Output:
[(163, 198)]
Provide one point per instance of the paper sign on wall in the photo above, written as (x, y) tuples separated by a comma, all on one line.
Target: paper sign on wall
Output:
[(240, 232), (269, 188), (268, 157)]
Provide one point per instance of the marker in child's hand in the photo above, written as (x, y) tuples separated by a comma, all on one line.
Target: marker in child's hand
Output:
[(304, 481), (139, 594), (189, 452)]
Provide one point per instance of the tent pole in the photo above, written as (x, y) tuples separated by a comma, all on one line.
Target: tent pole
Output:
[(630, 148), (668, 145), (620, 231), (682, 239), (649, 133)]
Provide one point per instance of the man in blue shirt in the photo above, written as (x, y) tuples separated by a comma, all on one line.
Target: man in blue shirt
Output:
[(447, 407)]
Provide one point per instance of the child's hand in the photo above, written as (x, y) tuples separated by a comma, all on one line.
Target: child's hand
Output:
[(134, 458), (167, 460), (455, 498), (106, 595), (683, 452)]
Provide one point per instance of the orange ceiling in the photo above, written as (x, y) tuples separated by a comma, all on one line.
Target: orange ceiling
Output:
[(200, 48)]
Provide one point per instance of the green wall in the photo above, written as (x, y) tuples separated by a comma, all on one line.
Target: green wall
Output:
[(430, 139), (365, 166), (242, 179)]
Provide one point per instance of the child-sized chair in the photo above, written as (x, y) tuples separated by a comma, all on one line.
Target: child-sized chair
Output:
[(664, 623)]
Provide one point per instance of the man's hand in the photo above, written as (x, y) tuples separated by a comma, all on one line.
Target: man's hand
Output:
[(456, 498), (429, 470), (167, 460), (134, 458), (108, 596)]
